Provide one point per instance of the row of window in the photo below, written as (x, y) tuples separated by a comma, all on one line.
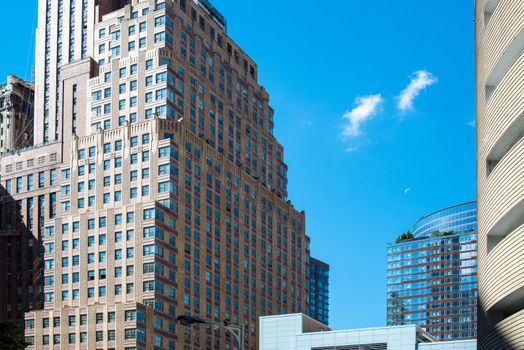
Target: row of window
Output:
[(129, 334), (41, 182)]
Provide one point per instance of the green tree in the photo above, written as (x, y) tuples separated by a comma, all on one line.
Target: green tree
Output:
[(11, 336), (405, 236)]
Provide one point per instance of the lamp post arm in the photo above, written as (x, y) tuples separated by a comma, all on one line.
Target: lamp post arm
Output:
[(236, 331)]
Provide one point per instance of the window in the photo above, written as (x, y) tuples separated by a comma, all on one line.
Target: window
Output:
[(130, 315), (41, 179), (83, 320), (115, 51), (160, 37), (118, 219), (161, 77), (66, 174), (160, 21), (149, 80), (149, 64), (133, 69)]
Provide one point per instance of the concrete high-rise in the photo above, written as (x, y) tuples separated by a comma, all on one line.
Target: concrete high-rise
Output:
[(155, 187), (432, 274), (499, 36), (16, 114)]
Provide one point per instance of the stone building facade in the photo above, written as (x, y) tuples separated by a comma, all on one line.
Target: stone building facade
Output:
[(159, 188), (16, 114)]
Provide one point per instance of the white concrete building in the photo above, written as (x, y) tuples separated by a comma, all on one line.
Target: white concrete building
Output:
[(300, 332)]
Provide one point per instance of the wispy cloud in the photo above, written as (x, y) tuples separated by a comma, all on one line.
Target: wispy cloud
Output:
[(473, 123), (307, 122), (366, 107), (419, 81), (407, 190)]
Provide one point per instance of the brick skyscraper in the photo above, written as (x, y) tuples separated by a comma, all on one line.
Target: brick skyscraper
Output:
[(155, 187)]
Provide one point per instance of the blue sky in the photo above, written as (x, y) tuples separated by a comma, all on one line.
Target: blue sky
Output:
[(363, 165)]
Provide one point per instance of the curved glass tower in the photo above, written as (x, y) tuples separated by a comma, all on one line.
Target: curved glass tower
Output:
[(462, 217), (432, 274), (499, 36)]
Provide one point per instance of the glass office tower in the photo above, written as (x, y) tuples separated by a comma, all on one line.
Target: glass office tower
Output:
[(432, 274), (318, 290)]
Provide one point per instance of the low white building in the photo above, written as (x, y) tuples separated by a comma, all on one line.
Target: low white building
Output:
[(300, 332)]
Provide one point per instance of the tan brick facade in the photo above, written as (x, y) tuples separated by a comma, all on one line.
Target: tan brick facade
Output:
[(168, 186)]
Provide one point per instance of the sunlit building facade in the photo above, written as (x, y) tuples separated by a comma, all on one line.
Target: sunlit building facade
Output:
[(499, 59), (154, 187), (432, 274)]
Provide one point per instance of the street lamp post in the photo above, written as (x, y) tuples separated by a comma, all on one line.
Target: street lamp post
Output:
[(236, 331)]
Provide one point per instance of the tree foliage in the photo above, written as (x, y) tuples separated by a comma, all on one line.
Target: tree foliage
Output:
[(11, 336), (405, 236)]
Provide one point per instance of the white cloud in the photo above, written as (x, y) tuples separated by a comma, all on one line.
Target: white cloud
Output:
[(407, 190), (365, 108), (419, 81), (473, 123), (307, 122)]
